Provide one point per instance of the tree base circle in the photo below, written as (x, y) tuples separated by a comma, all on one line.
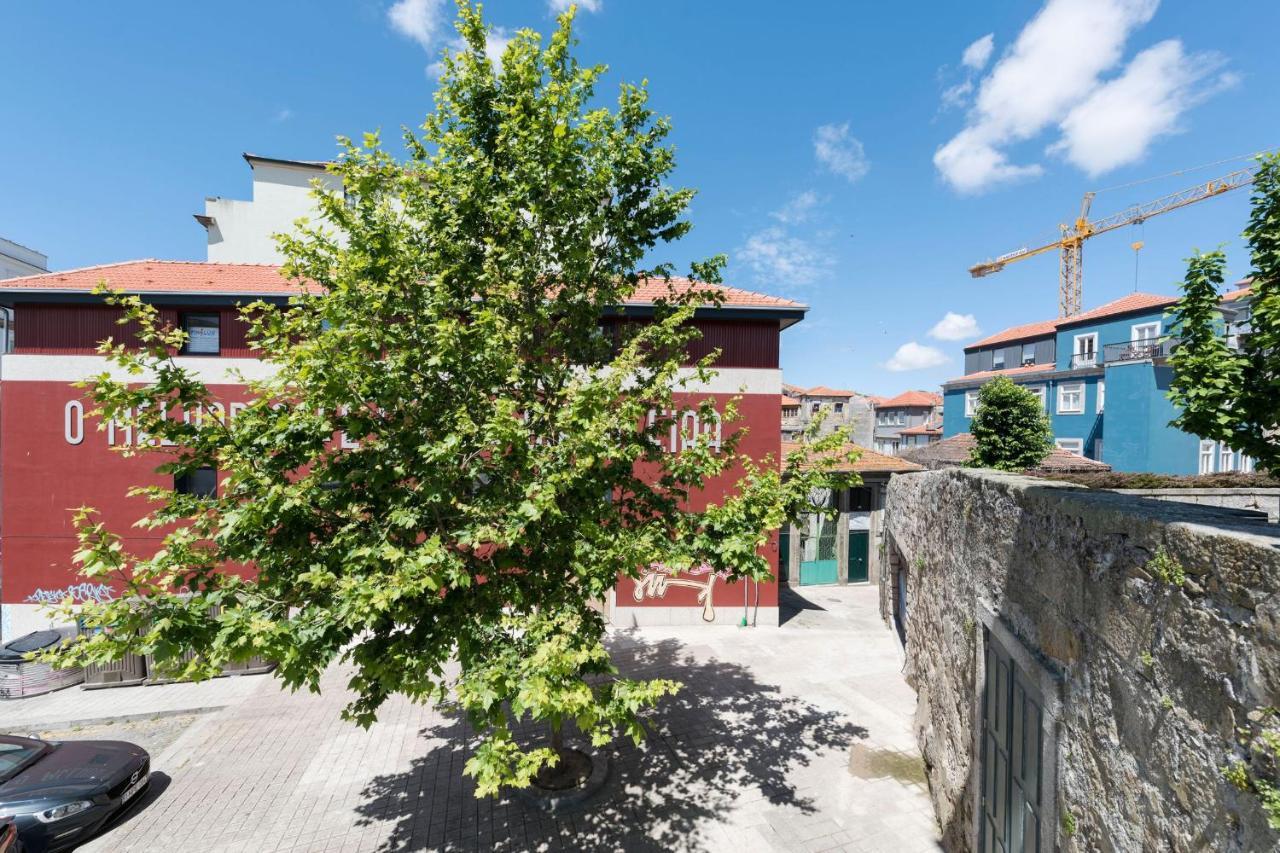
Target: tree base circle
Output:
[(581, 772)]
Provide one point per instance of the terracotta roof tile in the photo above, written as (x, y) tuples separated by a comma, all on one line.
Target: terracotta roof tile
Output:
[(955, 451), (932, 428), (789, 401), (911, 398), (1017, 333), (868, 462), (1008, 371), (1123, 305), (824, 391), (153, 276)]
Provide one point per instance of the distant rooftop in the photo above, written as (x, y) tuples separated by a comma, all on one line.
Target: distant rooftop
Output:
[(956, 450), (911, 398), (1124, 305), (868, 462)]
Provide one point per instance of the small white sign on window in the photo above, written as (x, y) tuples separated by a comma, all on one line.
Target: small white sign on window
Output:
[(202, 339)]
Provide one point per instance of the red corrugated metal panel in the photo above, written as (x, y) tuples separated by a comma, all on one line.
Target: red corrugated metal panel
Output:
[(77, 329), (742, 343)]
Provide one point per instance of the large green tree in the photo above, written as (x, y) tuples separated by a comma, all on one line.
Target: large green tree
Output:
[(450, 462), (1010, 429), (1225, 393)]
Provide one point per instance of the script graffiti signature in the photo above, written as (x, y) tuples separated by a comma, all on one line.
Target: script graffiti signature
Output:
[(77, 593), (655, 581)]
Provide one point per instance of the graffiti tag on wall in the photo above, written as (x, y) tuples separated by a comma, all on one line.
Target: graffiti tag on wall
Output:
[(77, 593), (657, 578)]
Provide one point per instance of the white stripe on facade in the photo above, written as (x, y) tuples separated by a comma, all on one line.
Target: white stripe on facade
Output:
[(76, 368)]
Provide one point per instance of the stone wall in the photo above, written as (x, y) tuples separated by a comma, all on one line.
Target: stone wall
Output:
[(1262, 500), (1145, 683)]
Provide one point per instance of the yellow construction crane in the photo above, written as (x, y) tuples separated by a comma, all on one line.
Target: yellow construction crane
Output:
[(1071, 243)]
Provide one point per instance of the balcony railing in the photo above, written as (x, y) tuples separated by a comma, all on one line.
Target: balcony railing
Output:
[(1084, 359), (1146, 349)]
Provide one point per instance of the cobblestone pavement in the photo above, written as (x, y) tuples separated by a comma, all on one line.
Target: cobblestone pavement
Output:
[(791, 738), (74, 705)]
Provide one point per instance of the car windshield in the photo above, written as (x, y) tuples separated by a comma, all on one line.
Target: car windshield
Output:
[(18, 753)]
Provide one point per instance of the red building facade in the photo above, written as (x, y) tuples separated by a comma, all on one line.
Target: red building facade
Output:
[(54, 458)]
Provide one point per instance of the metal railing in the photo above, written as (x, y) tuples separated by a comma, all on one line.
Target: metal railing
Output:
[(1144, 349), (1085, 359)]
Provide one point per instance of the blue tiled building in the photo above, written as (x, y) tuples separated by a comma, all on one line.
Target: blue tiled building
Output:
[(1103, 377)]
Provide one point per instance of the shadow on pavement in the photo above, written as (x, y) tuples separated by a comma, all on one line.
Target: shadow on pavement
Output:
[(160, 782), (791, 603), (725, 739)]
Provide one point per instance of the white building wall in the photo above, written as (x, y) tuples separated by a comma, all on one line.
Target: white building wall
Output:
[(17, 260), (242, 231)]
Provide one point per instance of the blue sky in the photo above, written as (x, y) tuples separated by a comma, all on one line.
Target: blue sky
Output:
[(845, 153)]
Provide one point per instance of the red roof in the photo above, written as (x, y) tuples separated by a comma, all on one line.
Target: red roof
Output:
[(1008, 371), (789, 401), (1123, 305), (824, 391), (957, 449), (1241, 293), (911, 398), (868, 462), (152, 276), (930, 428), (1027, 330)]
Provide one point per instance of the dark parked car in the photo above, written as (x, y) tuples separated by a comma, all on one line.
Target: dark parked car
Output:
[(9, 842), (61, 793)]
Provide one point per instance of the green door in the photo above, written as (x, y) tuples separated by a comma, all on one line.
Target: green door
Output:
[(818, 562), (784, 553), (1010, 758), (858, 547)]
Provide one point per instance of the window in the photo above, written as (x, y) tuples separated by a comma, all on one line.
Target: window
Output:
[(1102, 394), (860, 499), (970, 403), (1206, 457), (1146, 333), (1226, 459), (1071, 445), (839, 408), (202, 482), (6, 330), (1071, 398), (815, 407), (1097, 449), (202, 334), (997, 360), (1028, 354), (1039, 391), (1085, 351)]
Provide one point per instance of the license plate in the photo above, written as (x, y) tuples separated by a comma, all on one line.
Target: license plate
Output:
[(134, 789)]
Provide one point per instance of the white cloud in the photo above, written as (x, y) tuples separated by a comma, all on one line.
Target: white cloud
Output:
[(914, 356), (1118, 122), (955, 327), (283, 115), (495, 42), (957, 95), (976, 55), (558, 6), (840, 152), (783, 259), (798, 209), (417, 19), (1054, 67)]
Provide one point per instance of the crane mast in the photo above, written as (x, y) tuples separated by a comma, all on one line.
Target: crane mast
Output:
[(1071, 244)]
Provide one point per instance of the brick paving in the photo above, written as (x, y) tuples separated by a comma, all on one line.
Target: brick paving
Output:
[(795, 738)]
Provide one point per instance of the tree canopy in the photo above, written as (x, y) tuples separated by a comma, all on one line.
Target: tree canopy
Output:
[(1011, 430), (1231, 393), (452, 459)]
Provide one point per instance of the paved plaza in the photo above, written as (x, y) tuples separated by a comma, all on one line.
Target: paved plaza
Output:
[(791, 738)]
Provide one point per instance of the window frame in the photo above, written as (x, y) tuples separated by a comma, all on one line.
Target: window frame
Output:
[(1101, 395), (1041, 391), (970, 402), (1026, 362), (1077, 442), (1076, 353), (1133, 330), (1062, 390), (1207, 455), (183, 485), (185, 319), (994, 354)]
